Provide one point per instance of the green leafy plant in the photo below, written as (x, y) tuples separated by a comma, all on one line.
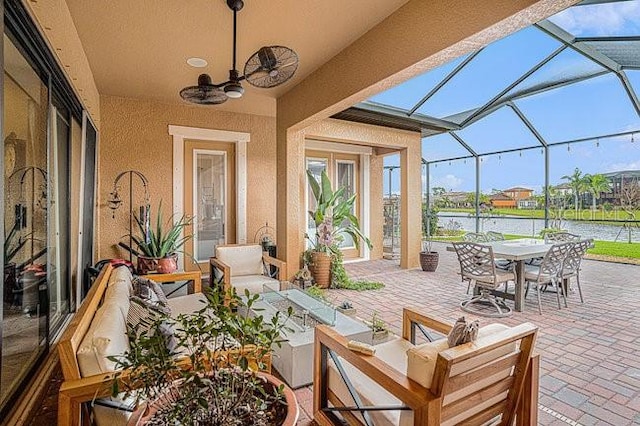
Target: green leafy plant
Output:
[(216, 383), (377, 324), (340, 279), (167, 237), (318, 293), (333, 216)]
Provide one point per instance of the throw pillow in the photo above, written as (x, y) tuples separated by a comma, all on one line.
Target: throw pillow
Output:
[(145, 318), (463, 332), (149, 289)]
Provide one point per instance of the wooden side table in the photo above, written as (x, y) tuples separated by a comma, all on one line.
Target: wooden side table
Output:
[(192, 278)]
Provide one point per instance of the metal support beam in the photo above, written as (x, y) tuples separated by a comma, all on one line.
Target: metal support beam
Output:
[(630, 91), (528, 124), (427, 196), (513, 85), (477, 194), (547, 184), (444, 81), (464, 144)]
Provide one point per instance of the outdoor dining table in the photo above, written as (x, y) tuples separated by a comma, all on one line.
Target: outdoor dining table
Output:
[(519, 251)]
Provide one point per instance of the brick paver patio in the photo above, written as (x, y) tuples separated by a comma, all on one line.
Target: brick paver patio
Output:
[(590, 352)]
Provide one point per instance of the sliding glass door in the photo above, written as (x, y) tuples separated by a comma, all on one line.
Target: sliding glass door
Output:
[(27, 198)]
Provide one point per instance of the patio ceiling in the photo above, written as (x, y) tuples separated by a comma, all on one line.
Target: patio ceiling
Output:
[(530, 70), (138, 48)]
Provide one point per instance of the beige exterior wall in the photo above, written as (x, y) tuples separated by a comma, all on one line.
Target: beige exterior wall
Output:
[(135, 136), (57, 27)]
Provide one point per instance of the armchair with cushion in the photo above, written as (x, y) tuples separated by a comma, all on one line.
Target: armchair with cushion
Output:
[(244, 267), (428, 384)]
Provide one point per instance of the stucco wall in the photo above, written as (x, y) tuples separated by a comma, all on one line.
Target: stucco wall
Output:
[(134, 135)]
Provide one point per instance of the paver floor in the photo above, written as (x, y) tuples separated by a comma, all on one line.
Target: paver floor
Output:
[(590, 368)]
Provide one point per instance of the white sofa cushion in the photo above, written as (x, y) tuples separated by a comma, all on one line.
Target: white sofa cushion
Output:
[(187, 304), (242, 259), (393, 353), (421, 359), (254, 283), (106, 337), (119, 292)]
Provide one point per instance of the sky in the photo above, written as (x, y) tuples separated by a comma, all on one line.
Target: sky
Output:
[(594, 107)]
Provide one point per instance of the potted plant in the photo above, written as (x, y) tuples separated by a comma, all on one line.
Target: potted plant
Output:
[(428, 259), (379, 328), (220, 381), (346, 307), (333, 217), (157, 249)]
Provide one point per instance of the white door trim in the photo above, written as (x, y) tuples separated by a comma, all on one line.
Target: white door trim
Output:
[(180, 133)]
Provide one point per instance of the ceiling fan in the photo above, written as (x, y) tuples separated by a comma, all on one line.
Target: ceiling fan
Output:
[(269, 67)]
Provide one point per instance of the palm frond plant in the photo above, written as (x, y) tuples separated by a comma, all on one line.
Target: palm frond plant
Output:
[(333, 218)]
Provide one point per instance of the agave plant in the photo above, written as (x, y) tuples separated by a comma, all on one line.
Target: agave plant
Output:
[(333, 215), (167, 237)]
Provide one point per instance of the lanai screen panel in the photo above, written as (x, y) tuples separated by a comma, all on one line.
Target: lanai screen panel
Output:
[(491, 71), (409, 93), (502, 130), (442, 147), (589, 108)]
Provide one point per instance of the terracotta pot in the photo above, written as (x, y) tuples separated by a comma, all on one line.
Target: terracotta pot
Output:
[(429, 260), (163, 265), (144, 413), (321, 268)]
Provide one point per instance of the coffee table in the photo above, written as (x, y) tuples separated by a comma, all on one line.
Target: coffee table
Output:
[(294, 358)]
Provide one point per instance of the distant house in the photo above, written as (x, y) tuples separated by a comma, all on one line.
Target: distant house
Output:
[(619, 180), (501, 200), (563, 189), (518, 193), (527, 203), (454, 199)]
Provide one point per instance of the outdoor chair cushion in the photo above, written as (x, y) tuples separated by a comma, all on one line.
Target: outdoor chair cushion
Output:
[(531, 274), (242, 259), (501, 277), (187, 304), (393, 352), (254, 283)]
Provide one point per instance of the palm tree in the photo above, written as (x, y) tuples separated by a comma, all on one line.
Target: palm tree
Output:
[(578, 185), (597, 184)]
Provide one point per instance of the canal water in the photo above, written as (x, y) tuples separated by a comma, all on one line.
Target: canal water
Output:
[(532, 227)]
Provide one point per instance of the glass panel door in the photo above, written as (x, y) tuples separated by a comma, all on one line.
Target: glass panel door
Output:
[(58, 218), (346, 178), (209, 203), (26, 201), (316, 166)]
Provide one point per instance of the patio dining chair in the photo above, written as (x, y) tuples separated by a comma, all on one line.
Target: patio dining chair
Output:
[(549, 272), (571, 264), (560, 237), (494, 236), (475, 237), (477, 264)]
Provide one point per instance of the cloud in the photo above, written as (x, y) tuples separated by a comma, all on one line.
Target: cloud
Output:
[(600, 20), (619, 167), (449, 182)]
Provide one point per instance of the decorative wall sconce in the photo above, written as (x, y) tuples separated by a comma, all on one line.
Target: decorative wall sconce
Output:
[(115, 201)]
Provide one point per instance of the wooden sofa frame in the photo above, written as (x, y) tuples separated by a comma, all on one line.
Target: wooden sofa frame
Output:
[(521, 404), (225, 279), (76, 390)]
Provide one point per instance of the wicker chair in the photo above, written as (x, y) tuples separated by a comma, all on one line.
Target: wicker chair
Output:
[(549, 272), (495, 236), (477, 264), (571, 264)]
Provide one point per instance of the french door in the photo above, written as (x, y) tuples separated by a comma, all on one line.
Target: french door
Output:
[(343, 171), (209, 196)]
